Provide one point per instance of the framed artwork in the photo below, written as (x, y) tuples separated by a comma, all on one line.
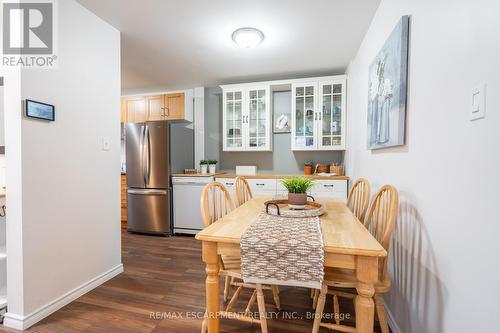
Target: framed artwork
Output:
[(387, 90)]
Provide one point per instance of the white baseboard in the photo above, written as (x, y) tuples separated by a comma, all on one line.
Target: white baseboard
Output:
[(15, 321), (391, 321)]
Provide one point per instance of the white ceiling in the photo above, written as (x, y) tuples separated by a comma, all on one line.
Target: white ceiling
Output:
[(173, 44)]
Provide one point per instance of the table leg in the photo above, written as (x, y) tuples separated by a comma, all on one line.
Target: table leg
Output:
[(212, 285), (367, 274)]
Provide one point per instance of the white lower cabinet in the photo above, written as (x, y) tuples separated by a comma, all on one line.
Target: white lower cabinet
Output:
[(335, 188), (229, 184), (262, 186), (330, 189)]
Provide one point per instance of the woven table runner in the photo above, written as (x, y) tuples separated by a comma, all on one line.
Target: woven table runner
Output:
[(283, 251)]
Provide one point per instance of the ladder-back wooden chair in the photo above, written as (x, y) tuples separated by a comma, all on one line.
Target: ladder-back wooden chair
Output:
[(215, 203), (359, 198), (357, 201), (242, 191), (380, 221)]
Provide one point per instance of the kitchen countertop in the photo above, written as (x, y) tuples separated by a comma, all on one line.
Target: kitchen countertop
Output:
[(278, 176), (259, 176), (198, 174)]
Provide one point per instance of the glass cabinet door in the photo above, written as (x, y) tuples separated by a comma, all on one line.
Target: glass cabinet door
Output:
[(257, 120), (233, 104), (304, 117), (331, 117)]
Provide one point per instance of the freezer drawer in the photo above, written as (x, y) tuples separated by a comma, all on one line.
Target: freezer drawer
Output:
[(148, 211)]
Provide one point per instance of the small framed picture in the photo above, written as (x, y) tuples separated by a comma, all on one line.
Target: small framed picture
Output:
[(39, 110)]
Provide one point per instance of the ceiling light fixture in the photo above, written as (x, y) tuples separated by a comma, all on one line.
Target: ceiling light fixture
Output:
[(247, 37)]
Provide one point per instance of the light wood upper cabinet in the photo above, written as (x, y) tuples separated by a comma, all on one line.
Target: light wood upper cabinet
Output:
[(174, 106), (136, 109), (155, 107)]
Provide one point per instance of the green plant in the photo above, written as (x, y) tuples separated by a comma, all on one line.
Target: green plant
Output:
[(203, 162), (308, 163), (212, 162), (297, 184)]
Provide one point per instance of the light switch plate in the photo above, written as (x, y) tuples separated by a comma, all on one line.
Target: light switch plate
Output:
[(105, 143), (478, 102)]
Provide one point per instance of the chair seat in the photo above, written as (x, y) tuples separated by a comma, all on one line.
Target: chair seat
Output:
[(345, 278)]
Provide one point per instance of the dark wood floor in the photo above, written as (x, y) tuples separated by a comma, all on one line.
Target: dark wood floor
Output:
[(165, 275)]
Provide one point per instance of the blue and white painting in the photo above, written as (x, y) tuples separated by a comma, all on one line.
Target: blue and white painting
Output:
[(387, 90)]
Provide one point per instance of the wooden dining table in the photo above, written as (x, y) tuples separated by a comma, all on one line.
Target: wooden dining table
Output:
[(347, 244)]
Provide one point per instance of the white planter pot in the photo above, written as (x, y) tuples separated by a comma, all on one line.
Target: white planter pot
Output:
[(211, 168), (204, 168)]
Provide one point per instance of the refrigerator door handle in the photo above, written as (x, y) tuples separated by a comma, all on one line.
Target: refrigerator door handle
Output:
[(148, 156), (148, 192), (141, 144)]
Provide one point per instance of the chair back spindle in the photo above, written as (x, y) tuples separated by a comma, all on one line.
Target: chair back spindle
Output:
[(381, 220), (359, 198), (242, 191), (215, 202)]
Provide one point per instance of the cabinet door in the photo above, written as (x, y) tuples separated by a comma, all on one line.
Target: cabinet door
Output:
[(257, 121), (232, 117), (304, 116), (174, 106), (135, 108), (155, 108), (332, 115)]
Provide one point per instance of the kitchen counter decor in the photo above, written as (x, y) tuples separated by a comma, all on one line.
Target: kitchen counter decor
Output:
[(281, 208)]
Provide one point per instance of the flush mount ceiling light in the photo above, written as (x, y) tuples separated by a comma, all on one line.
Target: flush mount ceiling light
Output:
[(247, 37)]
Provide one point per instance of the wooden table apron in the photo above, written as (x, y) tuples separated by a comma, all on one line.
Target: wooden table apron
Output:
[(347, 244)]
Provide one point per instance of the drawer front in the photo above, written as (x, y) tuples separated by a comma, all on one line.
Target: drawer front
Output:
[(227, 182), (262, 186), (330, 188)]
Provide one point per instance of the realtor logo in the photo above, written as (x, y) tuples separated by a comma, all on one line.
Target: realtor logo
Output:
[(28, 34)]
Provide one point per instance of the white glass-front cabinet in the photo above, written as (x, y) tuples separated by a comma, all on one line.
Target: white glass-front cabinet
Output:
[(246, 119), (304, 116), (318, 115)]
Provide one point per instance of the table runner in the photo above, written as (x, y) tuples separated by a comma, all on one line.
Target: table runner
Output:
[(283, 251)]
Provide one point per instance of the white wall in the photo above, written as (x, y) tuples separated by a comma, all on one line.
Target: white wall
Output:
[(70, 192), (444, 256)]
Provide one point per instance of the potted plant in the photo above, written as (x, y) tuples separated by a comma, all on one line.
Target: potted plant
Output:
[(297, 191), (204, 166), (211, 166), (308, 168)]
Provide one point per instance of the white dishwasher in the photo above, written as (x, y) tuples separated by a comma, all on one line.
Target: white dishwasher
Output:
[(186, 197)]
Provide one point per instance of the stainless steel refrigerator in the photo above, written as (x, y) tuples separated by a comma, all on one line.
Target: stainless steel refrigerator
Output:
[(148, 178)]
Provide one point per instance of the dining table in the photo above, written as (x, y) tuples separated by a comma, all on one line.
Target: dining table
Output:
[(347, 244)]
